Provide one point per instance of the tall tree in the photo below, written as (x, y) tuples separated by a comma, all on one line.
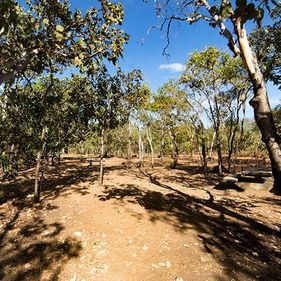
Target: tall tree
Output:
[(221, 16), (171, 105), (204, 76), (113, 97)]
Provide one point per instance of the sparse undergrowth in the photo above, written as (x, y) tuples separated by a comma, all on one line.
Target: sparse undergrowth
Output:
[(143, 224)]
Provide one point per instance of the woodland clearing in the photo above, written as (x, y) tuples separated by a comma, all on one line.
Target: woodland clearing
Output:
[(143, 224)]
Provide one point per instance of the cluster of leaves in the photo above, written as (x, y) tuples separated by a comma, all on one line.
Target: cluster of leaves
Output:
[(114, 97), (246, 11), (24, 112), (38, 39), (41, 30)]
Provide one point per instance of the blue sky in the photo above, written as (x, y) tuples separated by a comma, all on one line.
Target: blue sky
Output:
[(144, 51)]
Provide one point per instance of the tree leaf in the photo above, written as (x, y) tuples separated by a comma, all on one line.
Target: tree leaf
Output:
[(241, 3), (214, 10), (59, 36), (226, 11), (46, 21), (59, 28)]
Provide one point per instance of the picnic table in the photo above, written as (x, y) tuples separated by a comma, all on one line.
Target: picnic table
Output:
[(257, 173), (256, 179)]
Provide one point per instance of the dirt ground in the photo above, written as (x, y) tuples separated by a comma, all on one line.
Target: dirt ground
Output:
[(143, 224)]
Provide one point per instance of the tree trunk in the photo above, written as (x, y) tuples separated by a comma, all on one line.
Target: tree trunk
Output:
[(141, 149), (260, 104), (219, 151), (162, 143), (212, 146), (175, 149), (102, 150), (242, 125), (37, 185), (149, 138), (38, 181), (203, 145), (53, 159), (217, 128), (129, 151), (200, 137), (231, 142)]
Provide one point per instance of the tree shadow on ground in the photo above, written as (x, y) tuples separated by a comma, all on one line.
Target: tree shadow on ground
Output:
[(30, 248), (185, 179), (246, 248), (55, 184)]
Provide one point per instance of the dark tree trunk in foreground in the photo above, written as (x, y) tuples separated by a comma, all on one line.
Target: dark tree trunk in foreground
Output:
[(102, 150), (38, 179), (260, 104)]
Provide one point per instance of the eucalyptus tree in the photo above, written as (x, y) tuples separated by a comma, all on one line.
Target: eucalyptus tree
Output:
[(23, 109), (204, 79), (43, 124), (42, 118), (42, 37), (15, 138), (71, 109), (146, 123), (229, 18), (135, 103), (112, 101), (39, 30), (236, 94), (197, 123), (138, 108), (171, 105)]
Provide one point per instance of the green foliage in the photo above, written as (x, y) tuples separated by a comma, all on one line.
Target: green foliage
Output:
[(33, 34), (225, 10), (114, 97), (277, 118), (251, 143)]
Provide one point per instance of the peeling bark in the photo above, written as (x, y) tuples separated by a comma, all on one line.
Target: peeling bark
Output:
[(260, 103)]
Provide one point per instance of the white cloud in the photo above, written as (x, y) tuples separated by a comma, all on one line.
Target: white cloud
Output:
[(172, 67)]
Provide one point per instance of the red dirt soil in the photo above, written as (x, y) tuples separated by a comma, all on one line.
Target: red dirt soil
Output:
[(143, 224)]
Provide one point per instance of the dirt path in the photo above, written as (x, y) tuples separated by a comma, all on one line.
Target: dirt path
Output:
[(143, 224)]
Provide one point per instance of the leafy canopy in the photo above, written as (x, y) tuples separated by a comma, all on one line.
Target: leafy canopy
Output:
[(33, 34)]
